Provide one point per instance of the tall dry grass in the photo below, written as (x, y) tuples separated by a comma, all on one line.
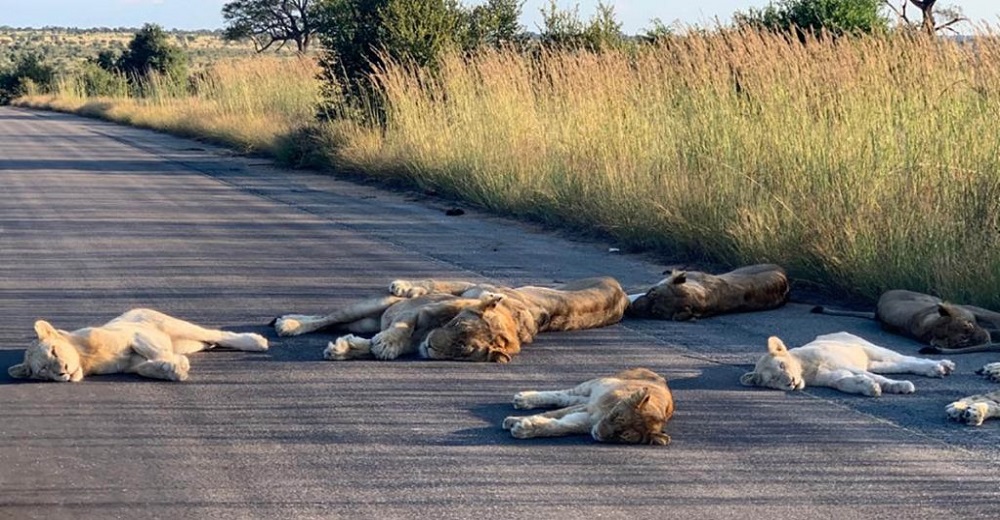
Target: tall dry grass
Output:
[(252, 103), (868, 163)]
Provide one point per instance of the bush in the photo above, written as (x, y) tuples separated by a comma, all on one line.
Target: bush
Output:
[(834, 16)]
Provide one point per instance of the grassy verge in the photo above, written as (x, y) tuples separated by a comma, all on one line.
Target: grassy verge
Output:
[(863, 163)]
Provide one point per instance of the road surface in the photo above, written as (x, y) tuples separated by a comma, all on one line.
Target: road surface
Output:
[(96, 219)]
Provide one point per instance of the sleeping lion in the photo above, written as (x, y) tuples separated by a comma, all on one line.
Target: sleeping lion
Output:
[(141, 341), (843, 361), (975, 409), (630, 407), (461, 320), (686, 295), (946, 327)]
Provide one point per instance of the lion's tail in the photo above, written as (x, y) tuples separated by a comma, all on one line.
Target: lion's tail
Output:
[(819, 309), (985, 347)]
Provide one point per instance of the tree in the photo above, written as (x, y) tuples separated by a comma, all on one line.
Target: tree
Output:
[(267, 22), (28, 69), (493, 23), (564, 28), (150, 51), (927, 8), (834, 16)]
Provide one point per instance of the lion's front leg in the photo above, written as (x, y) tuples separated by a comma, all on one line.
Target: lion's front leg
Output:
[(394, 341), (975, 409), (348, 347), (539, 399)]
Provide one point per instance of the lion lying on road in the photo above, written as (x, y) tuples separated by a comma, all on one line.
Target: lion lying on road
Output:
[(693, 294), (975, 409), (630, 407), (946, 327), (461, 320), (842, 361), (141, 341)]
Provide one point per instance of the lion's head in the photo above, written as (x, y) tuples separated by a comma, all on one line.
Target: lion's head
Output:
[(955, 327), (484, 332), (776, 369), (671, 299), (51, 357), (633, 420)]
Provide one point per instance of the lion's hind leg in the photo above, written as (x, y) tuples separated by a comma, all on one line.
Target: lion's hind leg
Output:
[(415, 288), (188, 337), (353, 316), (529, 399), (975, 409), (912, 365)]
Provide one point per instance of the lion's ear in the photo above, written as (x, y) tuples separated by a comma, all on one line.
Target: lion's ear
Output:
[(946, 310), (498, 356), (678, 277), (45, 330), (776, 346), (639, 398), (749, 379), (19, 371)]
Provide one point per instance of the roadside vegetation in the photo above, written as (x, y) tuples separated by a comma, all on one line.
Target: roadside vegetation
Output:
[(865, 161)]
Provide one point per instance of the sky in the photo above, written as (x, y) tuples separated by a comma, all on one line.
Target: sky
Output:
[(635, 15)]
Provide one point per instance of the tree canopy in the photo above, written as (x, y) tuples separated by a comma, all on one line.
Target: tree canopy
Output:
[(270, 22)]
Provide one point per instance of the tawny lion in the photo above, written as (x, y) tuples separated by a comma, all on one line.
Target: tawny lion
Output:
[(141, 341), (461, 320)]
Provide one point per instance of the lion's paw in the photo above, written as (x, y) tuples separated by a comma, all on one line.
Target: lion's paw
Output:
[(942, 368), (990, 371), (972, 414), (522, 400), (871, 388), (176, 370), (523, 429), (289, 325), (510, 421), (338, 350), (386, 346), (405, 289), (257, 343), (955, 410), (899, 387)]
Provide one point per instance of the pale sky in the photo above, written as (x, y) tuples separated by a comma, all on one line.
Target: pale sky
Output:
[(635, 15)]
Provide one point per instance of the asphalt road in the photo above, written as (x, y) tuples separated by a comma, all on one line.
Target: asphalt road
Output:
[(96, 219)]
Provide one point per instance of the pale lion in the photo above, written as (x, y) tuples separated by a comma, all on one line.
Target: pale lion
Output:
[(141, 341), (946, 327), (842, 361), (975, 409), (630, 407), (686, 295), (461, 320)]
